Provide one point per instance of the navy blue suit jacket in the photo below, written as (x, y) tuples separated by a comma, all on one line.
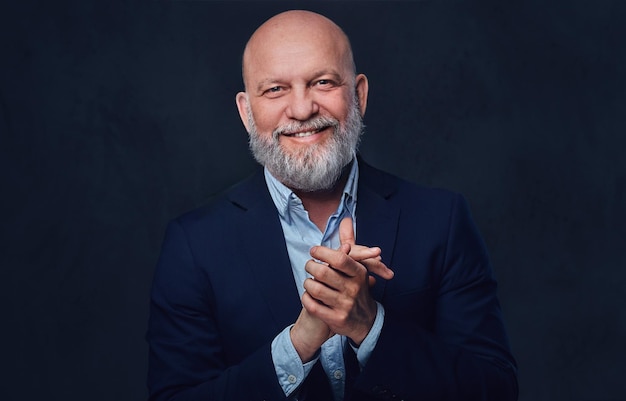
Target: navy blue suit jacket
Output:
[(223, 289)]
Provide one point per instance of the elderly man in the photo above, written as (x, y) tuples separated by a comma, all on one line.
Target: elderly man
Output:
[(265, 294)]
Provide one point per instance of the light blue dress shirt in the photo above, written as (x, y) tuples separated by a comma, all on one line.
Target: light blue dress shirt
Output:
[(301, 234)]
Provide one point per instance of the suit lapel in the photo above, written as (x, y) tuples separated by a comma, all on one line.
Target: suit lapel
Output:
[(377, 216), (263, 243)]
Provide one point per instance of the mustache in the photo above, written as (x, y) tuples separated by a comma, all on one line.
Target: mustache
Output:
[(313, 124)]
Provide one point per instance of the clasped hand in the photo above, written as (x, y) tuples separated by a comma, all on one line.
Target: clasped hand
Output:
[(337, 299)]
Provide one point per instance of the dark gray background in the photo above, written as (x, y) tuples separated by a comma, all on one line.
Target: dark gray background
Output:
[(115, 118)]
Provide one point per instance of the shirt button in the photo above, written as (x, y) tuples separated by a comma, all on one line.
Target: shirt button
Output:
[(338, 374), (292, 379)]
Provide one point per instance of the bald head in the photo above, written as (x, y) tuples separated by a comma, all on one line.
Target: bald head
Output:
[(303, 103), (296, 29)]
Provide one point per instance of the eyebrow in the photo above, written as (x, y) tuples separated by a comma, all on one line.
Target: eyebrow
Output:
[(334, 74), (266, 82)]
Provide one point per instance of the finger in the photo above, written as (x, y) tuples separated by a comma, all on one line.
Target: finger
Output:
[(371, 259), (346, 231), (338, 260), (360, 252), (315, 307), (321, 293), (376, 266), (350, 266), (325, 275)]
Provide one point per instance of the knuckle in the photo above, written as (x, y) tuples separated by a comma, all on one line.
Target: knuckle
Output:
[(311, 266), (352, 292), (307, 283), (314, 290), (345, 304), (343, 258), (342, 317), (322, 274), (350, 304), (312, 307)]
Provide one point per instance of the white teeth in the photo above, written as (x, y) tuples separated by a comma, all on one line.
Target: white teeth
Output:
[(303, 134)]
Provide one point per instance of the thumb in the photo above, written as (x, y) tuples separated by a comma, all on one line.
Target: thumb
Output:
[(346, 231)]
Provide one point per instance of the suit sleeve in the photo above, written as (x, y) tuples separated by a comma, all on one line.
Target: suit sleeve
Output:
[(186, 359), (464, 354)]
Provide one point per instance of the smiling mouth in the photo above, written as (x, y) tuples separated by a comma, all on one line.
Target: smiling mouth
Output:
[(304, 134)]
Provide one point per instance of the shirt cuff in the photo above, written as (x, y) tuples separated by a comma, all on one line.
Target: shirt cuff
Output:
[(368, 344), (290, 370)]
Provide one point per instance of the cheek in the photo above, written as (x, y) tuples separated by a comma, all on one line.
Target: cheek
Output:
[(266, 117), (338, 106)]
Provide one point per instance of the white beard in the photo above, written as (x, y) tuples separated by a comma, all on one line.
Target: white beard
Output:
[(314, 167)]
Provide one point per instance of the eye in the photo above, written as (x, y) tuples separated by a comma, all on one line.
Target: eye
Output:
[(274, 91), (324, 82)]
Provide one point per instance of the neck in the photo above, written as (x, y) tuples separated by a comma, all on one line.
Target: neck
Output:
[(322, 204)]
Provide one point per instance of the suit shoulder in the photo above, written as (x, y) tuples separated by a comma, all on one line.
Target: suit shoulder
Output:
[(392, 186), (224, 205)]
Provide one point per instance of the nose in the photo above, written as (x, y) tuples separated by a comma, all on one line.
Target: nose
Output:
[(302, 105)]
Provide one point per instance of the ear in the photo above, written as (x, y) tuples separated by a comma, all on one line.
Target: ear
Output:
[(362, 88), (242, 106)]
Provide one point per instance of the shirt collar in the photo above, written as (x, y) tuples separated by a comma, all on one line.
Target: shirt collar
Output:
[(284, 197)]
